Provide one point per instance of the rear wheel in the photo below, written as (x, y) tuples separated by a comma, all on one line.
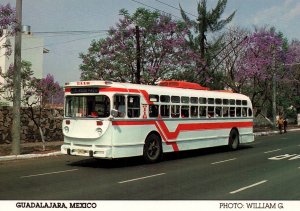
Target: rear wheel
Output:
[(234, 139), (152, 149)]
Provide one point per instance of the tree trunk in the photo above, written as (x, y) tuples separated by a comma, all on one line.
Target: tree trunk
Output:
[(43, 138)]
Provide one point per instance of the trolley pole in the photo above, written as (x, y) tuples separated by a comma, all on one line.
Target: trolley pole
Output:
[(16, 125)]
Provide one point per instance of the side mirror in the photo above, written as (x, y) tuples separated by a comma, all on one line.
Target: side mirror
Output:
[(114, 112)]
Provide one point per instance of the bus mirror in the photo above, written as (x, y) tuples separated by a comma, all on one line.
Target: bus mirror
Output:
[(114, 112)]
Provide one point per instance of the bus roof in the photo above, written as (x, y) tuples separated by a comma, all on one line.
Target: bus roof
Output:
[(160, 90)]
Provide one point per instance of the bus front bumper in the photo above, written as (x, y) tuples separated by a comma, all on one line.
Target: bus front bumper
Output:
[(87, 151)]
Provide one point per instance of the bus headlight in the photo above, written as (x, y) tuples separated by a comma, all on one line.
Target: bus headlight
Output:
[(66, 129), (99, 130)]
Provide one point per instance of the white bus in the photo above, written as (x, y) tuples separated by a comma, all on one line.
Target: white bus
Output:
[(110, 120)]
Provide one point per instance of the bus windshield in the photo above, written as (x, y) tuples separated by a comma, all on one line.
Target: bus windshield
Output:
[(87, 106)]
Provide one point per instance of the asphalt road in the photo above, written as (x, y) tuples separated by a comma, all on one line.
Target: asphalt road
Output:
[(267, 169)]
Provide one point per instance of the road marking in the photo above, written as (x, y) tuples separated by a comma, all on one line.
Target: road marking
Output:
[(140, 178), (55, 172), (275, 150), (223, 161), (247, 187)]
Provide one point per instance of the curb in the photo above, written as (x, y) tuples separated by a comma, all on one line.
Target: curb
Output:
[(273, 132), (27, 156)]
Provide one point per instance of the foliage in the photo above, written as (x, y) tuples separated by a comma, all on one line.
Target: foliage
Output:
[(250, 65), (164, 53), (289, 97), (36, 93), (207, 21), (7, 25), (230, 55)]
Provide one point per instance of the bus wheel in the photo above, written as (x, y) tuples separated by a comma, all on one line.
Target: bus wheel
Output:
[(234, 139), (152, 149)]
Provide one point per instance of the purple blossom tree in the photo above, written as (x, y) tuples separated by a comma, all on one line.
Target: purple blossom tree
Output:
[(7, 26), (163, 50), (290, 96), (262, 59)]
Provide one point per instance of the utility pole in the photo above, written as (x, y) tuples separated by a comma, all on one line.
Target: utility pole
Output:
[(274, 91), (16, 126), (138, 56)]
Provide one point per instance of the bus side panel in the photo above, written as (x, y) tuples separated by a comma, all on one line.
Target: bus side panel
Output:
[(246, 135), (128, 140), (201, 138)]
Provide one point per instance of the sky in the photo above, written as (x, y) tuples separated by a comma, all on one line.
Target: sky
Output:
[(51, 19)]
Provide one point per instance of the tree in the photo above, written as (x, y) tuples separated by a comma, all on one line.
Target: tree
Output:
[(289, 97), (230, 55), (7, 26), (164, 53), (37, 93), (261, 60), (207, 21)]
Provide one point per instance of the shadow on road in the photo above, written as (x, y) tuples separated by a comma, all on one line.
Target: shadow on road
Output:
[(138, 161)]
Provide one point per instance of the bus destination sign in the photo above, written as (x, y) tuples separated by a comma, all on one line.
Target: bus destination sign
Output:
[(84, 90)]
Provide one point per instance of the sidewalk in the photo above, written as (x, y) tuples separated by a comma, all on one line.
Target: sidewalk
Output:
[(57, 153)]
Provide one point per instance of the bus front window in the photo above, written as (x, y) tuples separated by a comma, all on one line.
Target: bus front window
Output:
[(87, 106)]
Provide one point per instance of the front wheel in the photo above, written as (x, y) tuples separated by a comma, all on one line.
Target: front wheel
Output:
[(234, 139), (152, 149)]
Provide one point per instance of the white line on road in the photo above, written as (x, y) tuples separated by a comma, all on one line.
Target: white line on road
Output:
[(223, 161), (275, 150), (55, 172), (140, 178), (247, 187)]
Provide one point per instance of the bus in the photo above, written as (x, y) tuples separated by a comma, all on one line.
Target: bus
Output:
[(110, 120)]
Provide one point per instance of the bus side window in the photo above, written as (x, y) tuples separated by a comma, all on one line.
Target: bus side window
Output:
[(194, 111), (175, 111), (165, 111), (133, 104), (232, 111), (211, 111), (185, 110), (238, 111), (202, 111), (244, 111), (225, 111), (153, 110), (218, 111), (250, 113), (119, 104)]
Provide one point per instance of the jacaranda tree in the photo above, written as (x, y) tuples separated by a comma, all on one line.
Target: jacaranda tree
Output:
[(7, 25), (163, 52), (262, 59)]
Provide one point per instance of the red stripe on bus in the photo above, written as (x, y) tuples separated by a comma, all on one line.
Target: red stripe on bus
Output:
[(201, 126), (121, 123), (67, 89), (113, 89), (173, 144), (168, 135), (116, 89)]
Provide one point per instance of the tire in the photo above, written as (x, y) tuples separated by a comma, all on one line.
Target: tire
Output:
[(234, 140), (152, 149)]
